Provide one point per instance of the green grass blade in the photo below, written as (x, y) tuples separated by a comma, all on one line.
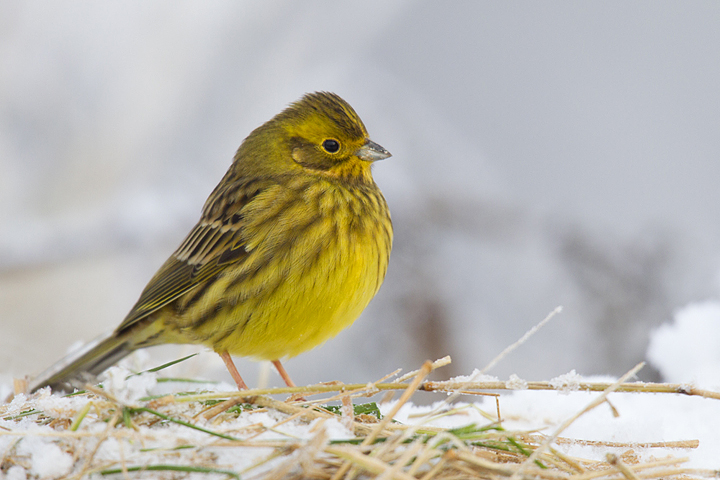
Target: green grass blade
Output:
[(170, 364), (172, 468), (183, 423)]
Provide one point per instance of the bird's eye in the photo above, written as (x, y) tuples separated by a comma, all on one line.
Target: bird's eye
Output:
[(331, 146)]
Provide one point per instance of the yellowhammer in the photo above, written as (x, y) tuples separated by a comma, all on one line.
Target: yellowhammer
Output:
[(292, 245)]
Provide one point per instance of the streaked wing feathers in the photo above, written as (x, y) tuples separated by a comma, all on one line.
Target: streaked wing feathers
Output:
[(211, 245)]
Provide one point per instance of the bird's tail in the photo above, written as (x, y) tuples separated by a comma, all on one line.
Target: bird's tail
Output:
[(80, 366)]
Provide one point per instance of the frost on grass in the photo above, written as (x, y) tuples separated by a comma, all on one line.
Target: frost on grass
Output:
[(475, 376), (516, 383), (111, 435), (566, 383)]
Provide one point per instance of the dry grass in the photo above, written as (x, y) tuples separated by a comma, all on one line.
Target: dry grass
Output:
[(381, 448)]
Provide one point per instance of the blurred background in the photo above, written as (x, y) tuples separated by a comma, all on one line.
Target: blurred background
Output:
[(544, 154)]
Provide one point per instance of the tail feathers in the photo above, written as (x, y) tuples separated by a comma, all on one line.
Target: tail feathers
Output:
[(79, 367)]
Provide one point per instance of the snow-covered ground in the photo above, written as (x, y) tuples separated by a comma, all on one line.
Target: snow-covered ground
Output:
[(630, 419)]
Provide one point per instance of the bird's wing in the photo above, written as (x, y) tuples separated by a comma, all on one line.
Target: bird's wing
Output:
[(212, 244)]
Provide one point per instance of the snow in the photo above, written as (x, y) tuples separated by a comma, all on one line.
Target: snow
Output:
[(643, 418), (568, 382), (516, 383), (475, 376), (47, 460), (127, 387), (688, 350), (16, 472)]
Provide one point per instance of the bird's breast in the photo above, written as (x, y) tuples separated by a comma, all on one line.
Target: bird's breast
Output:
[(311, 271)]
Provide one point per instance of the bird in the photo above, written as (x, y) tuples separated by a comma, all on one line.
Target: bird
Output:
[(291, 246)]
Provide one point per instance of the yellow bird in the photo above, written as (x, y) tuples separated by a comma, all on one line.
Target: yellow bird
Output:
[(291, 246)]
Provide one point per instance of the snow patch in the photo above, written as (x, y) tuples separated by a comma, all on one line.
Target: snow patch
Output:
[(686, 351), (126, 386), (47, 459)]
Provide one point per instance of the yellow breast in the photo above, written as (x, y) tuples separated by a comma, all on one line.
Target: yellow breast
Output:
[(309, 272)]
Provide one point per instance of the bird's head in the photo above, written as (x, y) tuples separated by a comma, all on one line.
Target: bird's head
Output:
[(324, 135), (320, 134)]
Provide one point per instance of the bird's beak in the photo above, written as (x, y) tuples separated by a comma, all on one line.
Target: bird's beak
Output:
[(372, 152)]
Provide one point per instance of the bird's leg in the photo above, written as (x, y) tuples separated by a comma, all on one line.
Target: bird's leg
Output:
[(233, 370), (283, 373)]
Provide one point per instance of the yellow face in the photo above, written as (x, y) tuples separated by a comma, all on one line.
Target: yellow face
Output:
[(326, 135), (319, 135), (321, 147)]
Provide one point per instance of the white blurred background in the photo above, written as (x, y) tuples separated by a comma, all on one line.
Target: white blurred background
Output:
[(544, 154)]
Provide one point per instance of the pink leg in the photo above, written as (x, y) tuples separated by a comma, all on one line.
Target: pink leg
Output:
[(233, 370), (283, 373)]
